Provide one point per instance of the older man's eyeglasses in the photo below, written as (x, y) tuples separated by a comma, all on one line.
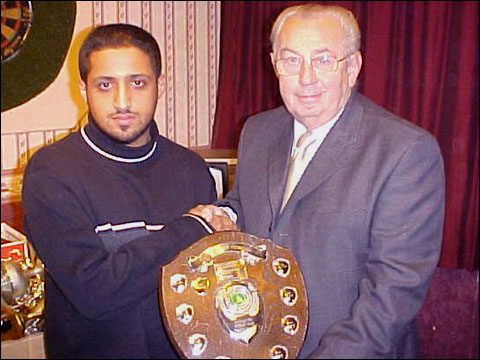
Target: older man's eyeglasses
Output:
[(321, 64)]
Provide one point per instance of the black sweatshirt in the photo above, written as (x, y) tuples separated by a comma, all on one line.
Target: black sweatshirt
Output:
[(94, 212)]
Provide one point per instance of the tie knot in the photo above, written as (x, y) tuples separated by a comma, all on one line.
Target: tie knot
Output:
[(302, 140), (297, 164), (302, 145)]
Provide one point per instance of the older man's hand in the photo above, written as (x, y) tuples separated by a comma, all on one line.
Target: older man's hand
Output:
[(215, 216)]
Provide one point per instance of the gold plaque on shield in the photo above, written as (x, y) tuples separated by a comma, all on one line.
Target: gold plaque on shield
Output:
[(234, 295)]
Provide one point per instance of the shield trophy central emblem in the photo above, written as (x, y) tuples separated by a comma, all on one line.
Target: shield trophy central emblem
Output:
[(234, 295)]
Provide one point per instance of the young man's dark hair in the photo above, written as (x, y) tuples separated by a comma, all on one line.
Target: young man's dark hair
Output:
[(116, 36)]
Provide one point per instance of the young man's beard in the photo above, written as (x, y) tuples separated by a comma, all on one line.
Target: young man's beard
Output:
[(133, 136), (123, 128)]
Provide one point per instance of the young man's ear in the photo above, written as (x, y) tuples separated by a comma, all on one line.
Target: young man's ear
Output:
[(83, 89), (161, 85)]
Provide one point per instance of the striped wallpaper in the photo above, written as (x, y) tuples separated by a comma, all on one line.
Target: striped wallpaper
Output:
[(188, 35)]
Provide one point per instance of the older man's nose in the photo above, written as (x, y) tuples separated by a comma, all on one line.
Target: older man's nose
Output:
[(307, 74)]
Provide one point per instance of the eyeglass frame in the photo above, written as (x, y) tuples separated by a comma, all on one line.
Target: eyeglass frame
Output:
[(275, 62)]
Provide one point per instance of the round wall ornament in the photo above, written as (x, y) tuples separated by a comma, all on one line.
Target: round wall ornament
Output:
[(36, 36)]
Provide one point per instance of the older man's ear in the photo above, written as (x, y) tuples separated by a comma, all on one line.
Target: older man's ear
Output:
[(354, 67)]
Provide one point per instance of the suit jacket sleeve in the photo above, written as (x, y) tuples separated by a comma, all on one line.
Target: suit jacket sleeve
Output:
[(232, 199), (405, 242)]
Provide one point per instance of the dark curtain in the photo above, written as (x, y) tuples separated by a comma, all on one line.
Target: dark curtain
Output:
[(420, 62)]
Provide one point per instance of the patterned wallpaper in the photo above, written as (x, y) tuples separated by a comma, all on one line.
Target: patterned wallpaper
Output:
[(188, 35)]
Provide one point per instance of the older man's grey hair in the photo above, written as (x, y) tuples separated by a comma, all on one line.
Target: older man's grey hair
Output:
[(344, 17)]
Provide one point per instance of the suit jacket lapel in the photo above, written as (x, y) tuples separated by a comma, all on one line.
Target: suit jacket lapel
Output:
[(332, 154), (278, 157)]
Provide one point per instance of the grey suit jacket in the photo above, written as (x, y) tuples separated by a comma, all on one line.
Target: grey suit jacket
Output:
[(364, 222)]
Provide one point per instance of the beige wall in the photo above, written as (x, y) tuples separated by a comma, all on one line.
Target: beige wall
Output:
[(188, 35)]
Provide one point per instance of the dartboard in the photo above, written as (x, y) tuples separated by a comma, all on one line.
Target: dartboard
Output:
[(16, 20), (36, 36)]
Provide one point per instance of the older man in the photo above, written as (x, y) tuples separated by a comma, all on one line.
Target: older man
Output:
[(356, 192)]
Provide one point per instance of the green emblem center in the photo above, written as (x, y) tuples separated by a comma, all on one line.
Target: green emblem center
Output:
[(238, 298)]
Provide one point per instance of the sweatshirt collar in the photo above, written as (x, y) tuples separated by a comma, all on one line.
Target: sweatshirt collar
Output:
[(104, 145)]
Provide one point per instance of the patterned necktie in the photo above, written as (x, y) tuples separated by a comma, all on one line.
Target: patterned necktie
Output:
[(298, 163)]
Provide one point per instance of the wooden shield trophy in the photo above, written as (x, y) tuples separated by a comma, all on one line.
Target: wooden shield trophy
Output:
[(234, 295)]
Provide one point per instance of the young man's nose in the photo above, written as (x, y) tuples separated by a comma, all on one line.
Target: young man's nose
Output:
[(123, 98)]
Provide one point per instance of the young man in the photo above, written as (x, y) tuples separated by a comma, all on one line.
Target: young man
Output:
[(104, 207), (359, 199)]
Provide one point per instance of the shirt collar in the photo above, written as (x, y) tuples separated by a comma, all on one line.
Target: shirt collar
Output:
[(319, 132)]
